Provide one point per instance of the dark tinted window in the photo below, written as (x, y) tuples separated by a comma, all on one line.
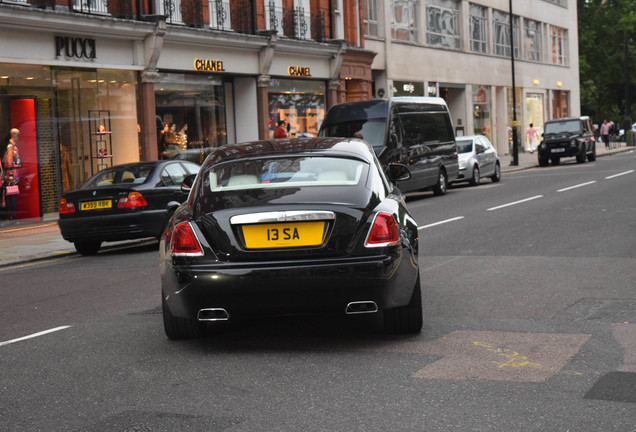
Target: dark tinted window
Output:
[(562, 126), (371, 130), (426, 127)]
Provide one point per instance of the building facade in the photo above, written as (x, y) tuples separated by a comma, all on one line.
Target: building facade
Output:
[(461, 50), (93, 84)]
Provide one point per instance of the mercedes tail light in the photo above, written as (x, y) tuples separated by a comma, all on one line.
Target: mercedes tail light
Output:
[(384, 231), (134, 199), (184, 241), (66, 207)]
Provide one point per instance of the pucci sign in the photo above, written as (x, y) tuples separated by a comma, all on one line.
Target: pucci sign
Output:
[(75, 47)]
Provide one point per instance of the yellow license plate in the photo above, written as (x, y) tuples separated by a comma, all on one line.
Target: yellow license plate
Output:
[(279, 235), (94, 205)]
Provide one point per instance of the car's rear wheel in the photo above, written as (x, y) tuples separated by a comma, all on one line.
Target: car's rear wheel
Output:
[(442, 183), (476, 178), (497, 175), (408, 318), (179, 328), (87, 247)]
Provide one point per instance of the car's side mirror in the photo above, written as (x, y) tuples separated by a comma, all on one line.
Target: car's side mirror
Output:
[(187, 182), (398, 172)]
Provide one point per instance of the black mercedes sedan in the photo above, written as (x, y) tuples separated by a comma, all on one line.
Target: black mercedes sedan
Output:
[(124, 202), (293, 226)]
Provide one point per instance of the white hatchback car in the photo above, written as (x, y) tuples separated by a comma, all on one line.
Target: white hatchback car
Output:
[(477, 159)]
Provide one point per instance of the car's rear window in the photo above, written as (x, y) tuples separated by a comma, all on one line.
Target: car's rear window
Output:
[(370, 130), (464, 146), (291, 171), (120, 175)]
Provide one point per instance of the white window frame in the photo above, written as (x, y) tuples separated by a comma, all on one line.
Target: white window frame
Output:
[(214, 14), (534, 52), (408, 24), (338, 19), (480, 23), (501, 34), (450, 35), (175, 17), (559, 45), (305, 7), (371, 24), (278, 12)]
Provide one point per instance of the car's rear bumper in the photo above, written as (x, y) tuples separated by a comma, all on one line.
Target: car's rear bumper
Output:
[(113, 227), (249, 289)]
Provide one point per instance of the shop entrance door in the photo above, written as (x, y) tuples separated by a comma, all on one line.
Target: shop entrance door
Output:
[(75, 95)]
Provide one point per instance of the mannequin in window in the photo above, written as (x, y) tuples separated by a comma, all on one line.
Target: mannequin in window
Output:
[(11, 164)]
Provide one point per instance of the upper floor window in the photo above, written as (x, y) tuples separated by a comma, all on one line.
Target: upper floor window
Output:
[(403, 24), (443, 24), (563, 3), (172, 9), (501, 33), (220, 14), (338, 19), (559, 41), (90, 6), (302, 19), (371, 18), (533, 40), (478, 28), (274, 16)]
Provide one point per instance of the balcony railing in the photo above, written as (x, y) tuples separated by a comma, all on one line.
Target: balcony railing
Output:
[(223, 15)]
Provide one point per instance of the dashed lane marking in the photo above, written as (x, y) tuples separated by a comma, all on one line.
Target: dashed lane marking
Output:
[(576, 186), (440, 222), (34, 335), (515, 203), (618, 175)]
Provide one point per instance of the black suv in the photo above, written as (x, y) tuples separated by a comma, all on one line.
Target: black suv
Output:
[(567, 137)]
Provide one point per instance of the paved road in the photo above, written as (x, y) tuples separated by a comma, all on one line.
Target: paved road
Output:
[(529, 325)]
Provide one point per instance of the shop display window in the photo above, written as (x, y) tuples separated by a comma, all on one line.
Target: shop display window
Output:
[(299, 104), (190, 112)]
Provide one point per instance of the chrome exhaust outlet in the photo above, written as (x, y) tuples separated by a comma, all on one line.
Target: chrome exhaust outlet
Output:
[(361, 307), (213, 314)]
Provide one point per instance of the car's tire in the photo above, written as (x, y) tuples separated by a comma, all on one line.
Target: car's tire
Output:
[(476, 177), (556, 160), (496, 177), (408, 318), (442, 183), (543, 161), (87, 247), (179, 328), (592, 156), (581, 157)]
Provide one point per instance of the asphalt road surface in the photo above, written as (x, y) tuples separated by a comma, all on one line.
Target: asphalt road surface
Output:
[(529, 324)]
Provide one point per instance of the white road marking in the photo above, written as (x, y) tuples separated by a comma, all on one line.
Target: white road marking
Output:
[(619, 174), (34, 335), (577, 186), (515, 203), (440, 222)]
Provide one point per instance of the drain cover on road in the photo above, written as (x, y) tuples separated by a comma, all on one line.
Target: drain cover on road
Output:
[(615, 387)]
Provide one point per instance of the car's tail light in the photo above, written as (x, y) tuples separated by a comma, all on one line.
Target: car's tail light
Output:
[(66, 207), (384, 231), (134, 199), (184, 241)]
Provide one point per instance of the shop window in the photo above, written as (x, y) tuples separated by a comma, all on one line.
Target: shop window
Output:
[(299, 104), (190, 112), (481, 110)]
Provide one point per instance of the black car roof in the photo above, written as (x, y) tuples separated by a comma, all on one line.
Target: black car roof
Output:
[(351, 147)]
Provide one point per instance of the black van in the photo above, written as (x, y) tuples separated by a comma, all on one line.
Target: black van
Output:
[(414, 131)]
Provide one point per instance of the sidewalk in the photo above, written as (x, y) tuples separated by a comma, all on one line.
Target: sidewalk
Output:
[(29, 241)]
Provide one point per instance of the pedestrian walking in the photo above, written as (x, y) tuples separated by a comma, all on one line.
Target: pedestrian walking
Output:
[(531, 134), (605, 131)]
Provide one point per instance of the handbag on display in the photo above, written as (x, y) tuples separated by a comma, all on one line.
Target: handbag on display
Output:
[(12, 190)]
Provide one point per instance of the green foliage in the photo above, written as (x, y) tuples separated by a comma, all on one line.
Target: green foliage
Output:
[(604, 28)]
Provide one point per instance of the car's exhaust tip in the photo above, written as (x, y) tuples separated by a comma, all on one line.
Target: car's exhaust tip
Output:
[(361, 307), (213, 314)]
